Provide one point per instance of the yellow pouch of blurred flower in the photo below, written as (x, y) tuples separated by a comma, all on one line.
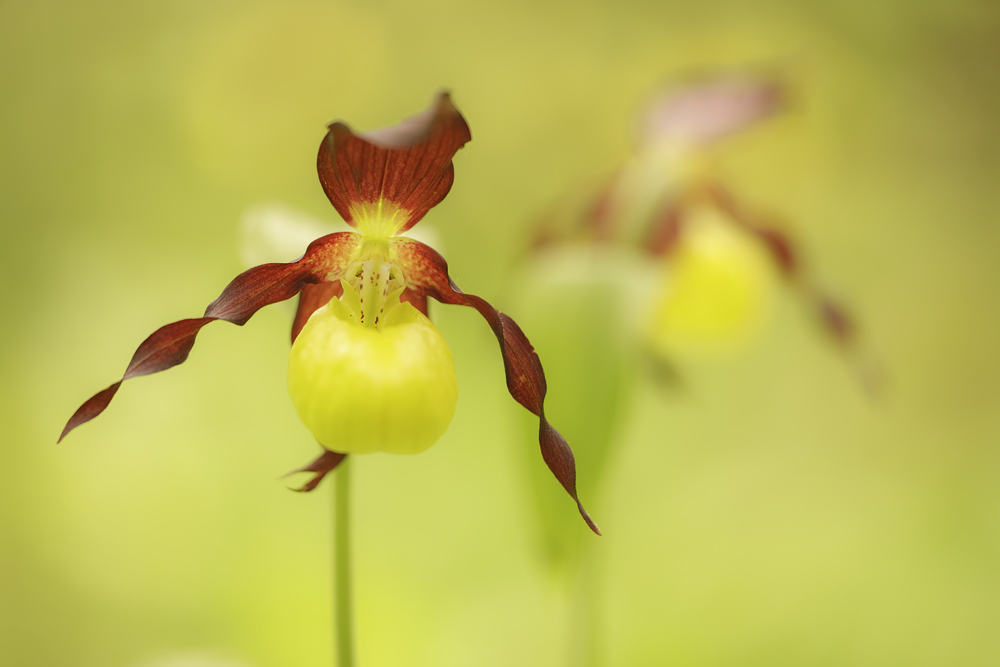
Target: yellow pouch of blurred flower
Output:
[(715, 292)]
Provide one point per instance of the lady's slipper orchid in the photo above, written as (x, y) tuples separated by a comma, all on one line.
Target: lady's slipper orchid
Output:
[(368, 371), (657, 201)]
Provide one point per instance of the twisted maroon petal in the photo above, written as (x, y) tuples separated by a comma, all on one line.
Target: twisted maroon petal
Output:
[(249, 292), (832, 316), (777, 243), (427, 273), (408, 164)]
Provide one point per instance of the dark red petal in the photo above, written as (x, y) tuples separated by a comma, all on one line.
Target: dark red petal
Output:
[(427, 273), (585, 213), (835, 319), (408, 164), (781, 249), (778, 244), (311, 299), (600, 216), (665, 231), (417, 299), (245, 295), (322, 466), (94, 406), (832, 316)]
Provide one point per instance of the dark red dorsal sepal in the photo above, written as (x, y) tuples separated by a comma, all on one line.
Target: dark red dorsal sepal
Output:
[(407, 165)]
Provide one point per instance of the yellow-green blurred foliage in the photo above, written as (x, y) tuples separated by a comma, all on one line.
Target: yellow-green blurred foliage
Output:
[(768, 515)]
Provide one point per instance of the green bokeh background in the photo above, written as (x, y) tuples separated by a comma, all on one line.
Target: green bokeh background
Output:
[(769, 514)]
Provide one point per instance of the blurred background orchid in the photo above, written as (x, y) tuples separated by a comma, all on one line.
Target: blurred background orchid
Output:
[(767, 513), (682, 273)]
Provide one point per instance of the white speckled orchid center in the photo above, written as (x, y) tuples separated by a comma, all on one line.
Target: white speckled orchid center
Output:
[(373, 279)]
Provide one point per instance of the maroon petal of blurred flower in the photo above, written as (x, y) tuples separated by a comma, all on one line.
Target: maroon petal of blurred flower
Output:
[(710, 110)]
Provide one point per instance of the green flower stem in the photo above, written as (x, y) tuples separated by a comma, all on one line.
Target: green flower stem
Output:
[(342, 565), (587, 622)]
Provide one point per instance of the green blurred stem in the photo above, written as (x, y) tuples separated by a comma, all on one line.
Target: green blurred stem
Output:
[(342, 565), (586, 621)]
